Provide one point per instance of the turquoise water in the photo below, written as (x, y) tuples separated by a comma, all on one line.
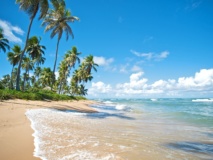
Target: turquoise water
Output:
[(193, 111), (126, 129)]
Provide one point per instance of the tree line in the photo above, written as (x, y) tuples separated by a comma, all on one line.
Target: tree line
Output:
[(30, 58)]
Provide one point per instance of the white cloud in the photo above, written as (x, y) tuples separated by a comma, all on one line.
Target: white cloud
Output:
[(199, 84), (162, 55), (151, 55), (99, 88), (101, 61), (9, 31)]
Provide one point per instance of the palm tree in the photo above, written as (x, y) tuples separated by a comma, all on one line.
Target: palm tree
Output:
[(14, 58), (4, 43), (33, 80), (27, 65), (32, 7), (63, 74), (82, 90), (70, 59), (46, 77), (89, 64), (57, 20), (83, 75), (35, 50), (37, 72), (5, 81)]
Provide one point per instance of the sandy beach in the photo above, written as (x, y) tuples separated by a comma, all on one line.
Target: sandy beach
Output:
[(16, 140)]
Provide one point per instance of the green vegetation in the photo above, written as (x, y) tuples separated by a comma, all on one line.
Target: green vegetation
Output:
[(30, 80), (35, 94)]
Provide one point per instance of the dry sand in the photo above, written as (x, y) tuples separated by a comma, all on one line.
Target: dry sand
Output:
[(16, 140)]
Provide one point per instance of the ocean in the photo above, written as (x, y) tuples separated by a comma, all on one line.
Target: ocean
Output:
[(126, 129)]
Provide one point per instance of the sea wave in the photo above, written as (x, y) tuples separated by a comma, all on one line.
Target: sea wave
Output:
[(108, 102), (203, 100)]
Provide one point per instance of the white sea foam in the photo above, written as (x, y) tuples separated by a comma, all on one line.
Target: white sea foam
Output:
[(203, 100), (108, 102), (55, 139), (154, 99), (120, 107)]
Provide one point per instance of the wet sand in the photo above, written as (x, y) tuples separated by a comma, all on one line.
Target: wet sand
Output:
[(16, 140)]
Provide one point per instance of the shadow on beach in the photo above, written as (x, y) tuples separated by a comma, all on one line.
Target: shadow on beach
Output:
[(203, 149)]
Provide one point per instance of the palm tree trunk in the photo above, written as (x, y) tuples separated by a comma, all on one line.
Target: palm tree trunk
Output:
[(56, 56), (11, 80), (25, 76), (25, 47)]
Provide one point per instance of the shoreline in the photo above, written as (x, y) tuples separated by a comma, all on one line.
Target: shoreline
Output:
[(16, 134)]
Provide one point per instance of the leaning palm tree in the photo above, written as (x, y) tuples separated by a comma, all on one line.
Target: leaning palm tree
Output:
[(72, 57), (89, 64), (14, 58), (4, 43), (57, 20), (82, 91), (32, 7), (35, 50)]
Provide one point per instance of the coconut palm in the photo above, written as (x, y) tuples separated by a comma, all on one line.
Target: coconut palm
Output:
[(89, 64), (57, 20), (46, 77), (82, 90), (63, 75), (5, 81), (35, 50), (14, 58), (37, 72), (27, 65), (4, 43), (72, 57), (83, 75), (73, 87), (31, 7), (33, 80)]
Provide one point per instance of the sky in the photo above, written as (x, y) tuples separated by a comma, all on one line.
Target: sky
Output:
[(144, 48)]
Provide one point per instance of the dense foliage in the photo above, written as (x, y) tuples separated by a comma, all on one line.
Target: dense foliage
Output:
[(35, 94)]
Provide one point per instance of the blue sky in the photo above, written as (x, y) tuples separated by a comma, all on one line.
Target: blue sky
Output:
[(144, 48)]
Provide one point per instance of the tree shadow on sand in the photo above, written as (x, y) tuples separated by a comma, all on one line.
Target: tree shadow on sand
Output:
[(202, 149)]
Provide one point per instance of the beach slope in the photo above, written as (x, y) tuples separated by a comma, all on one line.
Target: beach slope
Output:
[(16, 140)]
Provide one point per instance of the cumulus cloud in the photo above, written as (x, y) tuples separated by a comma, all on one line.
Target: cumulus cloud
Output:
[(9, 31), (199, 84), (101, 61), (151, 55), (99, 88)]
